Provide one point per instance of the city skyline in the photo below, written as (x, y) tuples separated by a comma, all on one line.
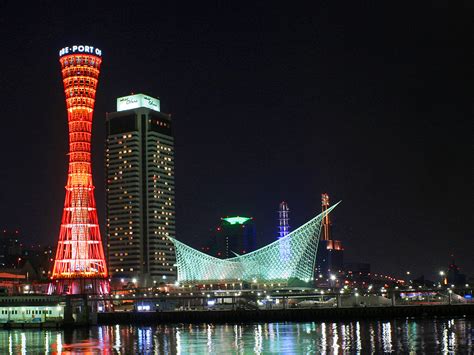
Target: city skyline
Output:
[(364, 109)]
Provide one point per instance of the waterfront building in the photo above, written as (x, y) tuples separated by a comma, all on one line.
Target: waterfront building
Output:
[(31, 309), (140, 192), (262, 265), (79, 265), (12, 281), (330, 252)]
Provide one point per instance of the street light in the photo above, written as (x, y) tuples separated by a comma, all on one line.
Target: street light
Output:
[(442, 275), (332, 277)]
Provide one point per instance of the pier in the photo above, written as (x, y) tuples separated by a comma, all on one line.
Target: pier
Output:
[(285, 315), (37, 311)]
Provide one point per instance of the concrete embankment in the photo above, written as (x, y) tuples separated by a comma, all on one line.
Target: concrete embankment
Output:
[(282, 315)]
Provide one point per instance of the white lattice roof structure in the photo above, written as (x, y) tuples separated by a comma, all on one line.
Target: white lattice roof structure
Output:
[(291, 257)]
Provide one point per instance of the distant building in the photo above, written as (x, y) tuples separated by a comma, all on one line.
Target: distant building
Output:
[(363, 268), (22, 264), (234, 235), (454, 276), (283, 220), (284, 230), (11, 281), (10, 248), (330, 256), (140, 191), (41, 259), (357, 272)]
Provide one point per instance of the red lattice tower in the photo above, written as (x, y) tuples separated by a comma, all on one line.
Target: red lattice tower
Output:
[(80, 265)]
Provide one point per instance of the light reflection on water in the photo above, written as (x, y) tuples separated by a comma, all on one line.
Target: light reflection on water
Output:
[(404, 335)]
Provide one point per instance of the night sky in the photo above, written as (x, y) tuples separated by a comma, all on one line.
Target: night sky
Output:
[(368, 103)]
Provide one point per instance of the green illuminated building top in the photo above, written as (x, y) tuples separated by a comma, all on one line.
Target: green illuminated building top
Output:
[(236, 220)]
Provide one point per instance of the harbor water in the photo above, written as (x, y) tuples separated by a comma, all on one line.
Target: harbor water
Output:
[(441, 335)]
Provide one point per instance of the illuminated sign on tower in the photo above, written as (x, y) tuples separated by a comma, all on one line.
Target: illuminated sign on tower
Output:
[(79, 266), (135, 101)]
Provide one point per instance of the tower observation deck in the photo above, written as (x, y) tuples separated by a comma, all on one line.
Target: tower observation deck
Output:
[(79, 266)]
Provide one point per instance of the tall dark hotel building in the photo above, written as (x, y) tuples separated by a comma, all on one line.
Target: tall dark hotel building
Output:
[(140, 192)]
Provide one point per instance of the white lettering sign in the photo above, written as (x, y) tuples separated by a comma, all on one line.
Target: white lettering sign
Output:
[(136, 101), (80, 49)]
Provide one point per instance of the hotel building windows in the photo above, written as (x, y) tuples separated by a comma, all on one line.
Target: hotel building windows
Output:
[(140, 192)]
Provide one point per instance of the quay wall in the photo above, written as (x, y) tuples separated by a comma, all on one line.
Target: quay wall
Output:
[(283, 315)]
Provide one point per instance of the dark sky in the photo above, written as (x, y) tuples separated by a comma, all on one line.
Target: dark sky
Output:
[(367, 102)]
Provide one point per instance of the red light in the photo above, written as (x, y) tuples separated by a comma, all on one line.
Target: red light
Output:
[(80, 254)]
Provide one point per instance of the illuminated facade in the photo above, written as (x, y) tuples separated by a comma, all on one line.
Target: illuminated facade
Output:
[(326, 234), (264, 264), (283, 219), (140, 192), (79, 266), (284, 230), (330, 251)]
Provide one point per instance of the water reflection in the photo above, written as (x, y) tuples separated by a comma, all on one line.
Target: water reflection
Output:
[(448, 337), (117, 345), (209, 338), (387, 337), (178, 342), (372, 337), (324, 342), (335, 338), (258, 339), (59, 343), (358, 340), (406, 336)]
